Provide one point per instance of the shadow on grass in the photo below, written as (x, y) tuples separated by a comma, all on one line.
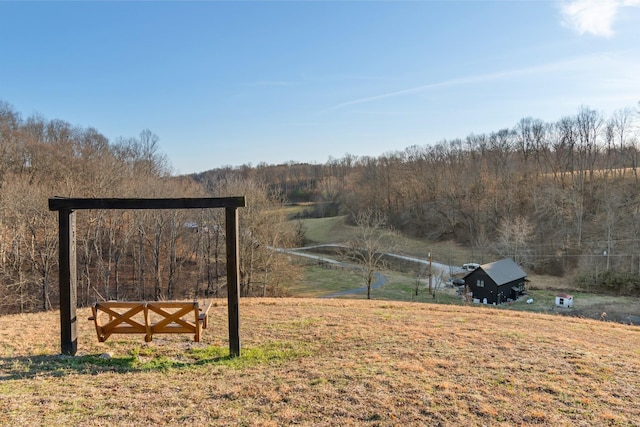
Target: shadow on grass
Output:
[(147, 360), (26, 367)]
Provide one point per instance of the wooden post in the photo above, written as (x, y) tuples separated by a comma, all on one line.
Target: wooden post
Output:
[(233, 280), (430, 273), (68, 281)]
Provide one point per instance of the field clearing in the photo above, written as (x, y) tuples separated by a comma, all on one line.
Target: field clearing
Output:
[(335, 230), (320, 281), (329, 362), (327, 230), (293, 210), (402, 281)]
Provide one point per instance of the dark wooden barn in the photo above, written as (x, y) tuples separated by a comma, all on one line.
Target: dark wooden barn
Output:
[(496, 282)]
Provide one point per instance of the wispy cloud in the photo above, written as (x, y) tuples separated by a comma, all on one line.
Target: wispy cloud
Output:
[(271, 83), (593, 16), (480, 78)]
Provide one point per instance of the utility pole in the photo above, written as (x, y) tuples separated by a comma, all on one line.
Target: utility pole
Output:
[(430, 271)]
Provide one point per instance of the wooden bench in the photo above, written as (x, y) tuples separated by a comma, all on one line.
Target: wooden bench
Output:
[(149, 317)]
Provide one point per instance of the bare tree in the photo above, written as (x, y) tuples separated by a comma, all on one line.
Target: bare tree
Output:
[(514, 236), (264, 228), (35, 240), (210, 238), (328, 191), (372, 240)]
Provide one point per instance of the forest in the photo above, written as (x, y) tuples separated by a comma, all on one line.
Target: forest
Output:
[(130, 255), (560, 198)]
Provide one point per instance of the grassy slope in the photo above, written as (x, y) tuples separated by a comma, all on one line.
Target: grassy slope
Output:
[(326, 230), (330, 362), (335, 230), (401, 284)]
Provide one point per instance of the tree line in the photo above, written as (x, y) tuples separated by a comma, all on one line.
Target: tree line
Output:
[(558, 197), (122, 254)]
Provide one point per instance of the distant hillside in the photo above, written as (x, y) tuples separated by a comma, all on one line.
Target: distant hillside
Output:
[(560, 198), (326, 363)]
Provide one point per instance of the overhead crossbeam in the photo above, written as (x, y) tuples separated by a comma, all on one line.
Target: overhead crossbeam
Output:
[(59, 203)]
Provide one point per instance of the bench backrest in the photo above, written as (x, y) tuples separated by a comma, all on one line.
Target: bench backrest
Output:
[(147, 317)]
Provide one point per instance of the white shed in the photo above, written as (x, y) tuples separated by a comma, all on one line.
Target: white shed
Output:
[(564, 300)]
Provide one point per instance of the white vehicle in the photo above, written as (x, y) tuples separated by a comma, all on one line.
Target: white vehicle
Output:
[(470, 266)]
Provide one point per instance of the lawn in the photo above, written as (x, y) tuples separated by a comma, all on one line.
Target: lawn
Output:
[(329, 362)]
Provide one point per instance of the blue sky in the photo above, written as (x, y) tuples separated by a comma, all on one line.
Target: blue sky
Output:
[(232, 83)]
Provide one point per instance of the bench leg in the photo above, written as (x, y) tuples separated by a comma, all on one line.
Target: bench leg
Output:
[(147, 323)]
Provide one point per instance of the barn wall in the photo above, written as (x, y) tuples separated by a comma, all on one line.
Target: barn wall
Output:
[(490, 289)]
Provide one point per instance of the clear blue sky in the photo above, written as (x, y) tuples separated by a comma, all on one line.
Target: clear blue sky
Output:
[(232, 83)]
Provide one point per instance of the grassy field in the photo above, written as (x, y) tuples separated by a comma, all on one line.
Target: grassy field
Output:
[(336, 230), (326, 230), (329, 362), (402, 281), (398, 360), (321, 281)]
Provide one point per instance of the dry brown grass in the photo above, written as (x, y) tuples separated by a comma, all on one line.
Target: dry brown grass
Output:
[(330, 362)]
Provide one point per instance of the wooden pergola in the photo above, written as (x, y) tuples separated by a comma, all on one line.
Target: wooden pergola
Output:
[(66, 208)]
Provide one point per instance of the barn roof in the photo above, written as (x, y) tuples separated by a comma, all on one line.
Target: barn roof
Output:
[(503, 271)]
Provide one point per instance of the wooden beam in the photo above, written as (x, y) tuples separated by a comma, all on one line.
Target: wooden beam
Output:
[(233, 280), (68, 281), (58, 203)]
